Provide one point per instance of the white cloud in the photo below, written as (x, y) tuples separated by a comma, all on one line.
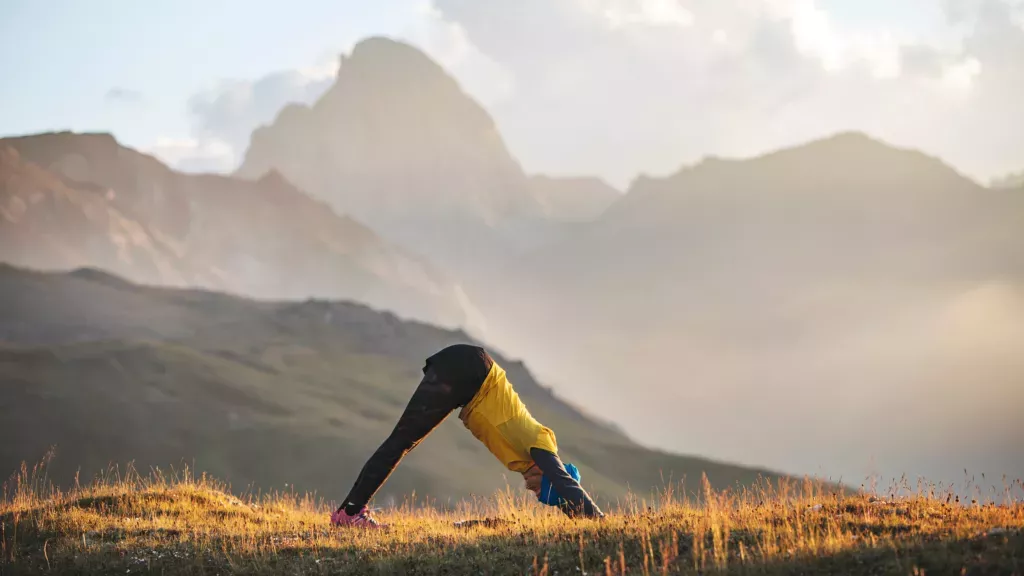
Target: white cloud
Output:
[(619, 87), (123, 95), (745, 76), (224, 116), (619, 13), (323, 71), (814, 35), (194, 155), (960, 77), (229, 112), (817, 36)]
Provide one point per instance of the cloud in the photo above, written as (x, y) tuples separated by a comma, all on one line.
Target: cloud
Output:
[(224, 116), (615, 88), (194, 155), (646, 12), (123, 95)]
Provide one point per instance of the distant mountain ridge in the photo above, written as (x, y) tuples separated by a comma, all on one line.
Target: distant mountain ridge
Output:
[(847, 199), (573, 199), (1015, 180), (84, 200)]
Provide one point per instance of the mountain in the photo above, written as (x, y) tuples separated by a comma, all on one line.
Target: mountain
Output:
[(76, 200), (48, 223), (397, 144), (576, 199), (866, 292), (845, 206), (1015, 180), (260, 393)]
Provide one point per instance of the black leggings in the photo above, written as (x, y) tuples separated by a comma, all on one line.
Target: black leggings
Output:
[(429, 406), (450, 379)]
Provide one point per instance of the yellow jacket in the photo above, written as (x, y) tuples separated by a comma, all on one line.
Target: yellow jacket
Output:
[(499, 419)]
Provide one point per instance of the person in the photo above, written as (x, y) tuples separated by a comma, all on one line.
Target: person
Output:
[(465, 376)]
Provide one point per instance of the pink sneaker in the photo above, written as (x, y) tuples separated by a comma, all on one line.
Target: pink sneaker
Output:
[(361, 519)]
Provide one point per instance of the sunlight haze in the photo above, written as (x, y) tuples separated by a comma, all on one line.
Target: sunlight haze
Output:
[(781, 235)]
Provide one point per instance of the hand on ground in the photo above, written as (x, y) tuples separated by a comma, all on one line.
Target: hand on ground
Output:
[(532, 478)]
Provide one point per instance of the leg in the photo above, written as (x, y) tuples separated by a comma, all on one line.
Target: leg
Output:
[(429, 406), (579, 502)]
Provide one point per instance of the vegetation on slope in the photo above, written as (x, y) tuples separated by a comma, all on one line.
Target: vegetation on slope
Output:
[(263, 394), (187, 525)]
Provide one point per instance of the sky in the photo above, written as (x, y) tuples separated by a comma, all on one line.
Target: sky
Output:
[(613, 88)]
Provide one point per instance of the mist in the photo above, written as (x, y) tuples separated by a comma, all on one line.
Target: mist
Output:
[(855, 382), (841, 308)]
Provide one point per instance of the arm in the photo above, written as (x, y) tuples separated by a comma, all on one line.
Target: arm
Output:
[(578, 502)]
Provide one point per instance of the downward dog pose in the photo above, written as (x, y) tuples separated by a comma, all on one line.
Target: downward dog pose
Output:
[(466, 376)]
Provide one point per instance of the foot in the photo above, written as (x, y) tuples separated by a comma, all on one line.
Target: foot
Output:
[(361, 519)]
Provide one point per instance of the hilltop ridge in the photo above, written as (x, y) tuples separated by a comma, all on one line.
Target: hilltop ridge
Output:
[(263, 393)]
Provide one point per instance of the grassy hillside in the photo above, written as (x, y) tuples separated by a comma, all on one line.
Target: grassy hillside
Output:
[(187, 526), (265, 395)]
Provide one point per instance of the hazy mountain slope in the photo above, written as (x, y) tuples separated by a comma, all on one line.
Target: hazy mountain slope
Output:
[(845, 286), (265, 392), (572, 199), (1015, 180), (47, 223), (843, 206), (84, 200)]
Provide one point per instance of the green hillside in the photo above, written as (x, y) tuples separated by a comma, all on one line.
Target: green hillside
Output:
[(266, 395)]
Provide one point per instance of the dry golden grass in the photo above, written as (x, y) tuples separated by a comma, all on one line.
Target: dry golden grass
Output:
[(186, 525)]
